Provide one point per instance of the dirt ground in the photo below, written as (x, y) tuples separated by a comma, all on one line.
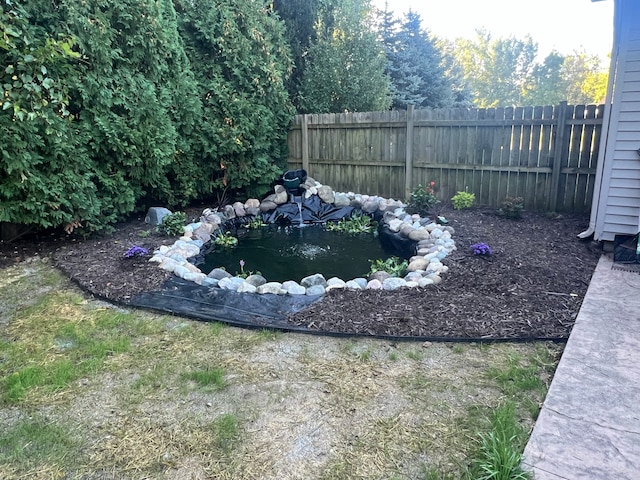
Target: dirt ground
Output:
[(532, 285)]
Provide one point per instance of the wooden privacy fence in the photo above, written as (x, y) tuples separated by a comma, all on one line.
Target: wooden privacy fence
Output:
[(546, 154)]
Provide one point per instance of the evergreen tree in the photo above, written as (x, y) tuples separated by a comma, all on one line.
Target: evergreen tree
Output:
[(416, 67), (300, 17), (241, 61), (346, 67)]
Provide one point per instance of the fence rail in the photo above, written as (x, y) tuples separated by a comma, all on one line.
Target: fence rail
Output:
[(545, 154)]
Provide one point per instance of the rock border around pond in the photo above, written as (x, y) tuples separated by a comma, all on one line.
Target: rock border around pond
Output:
[(433, 242)]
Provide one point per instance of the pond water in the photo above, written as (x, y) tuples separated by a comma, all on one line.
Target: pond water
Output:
[(292, 253)]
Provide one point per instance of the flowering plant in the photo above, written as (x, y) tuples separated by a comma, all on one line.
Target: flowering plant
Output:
[(481, 249), (422, 199), (136, 251), (244, 274)]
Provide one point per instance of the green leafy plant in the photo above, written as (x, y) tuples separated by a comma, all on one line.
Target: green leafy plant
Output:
[(255, 223), (394, 266), (226, 240), (462, 200), (512, 207), (358, 223), (423, 199), (173, 224)]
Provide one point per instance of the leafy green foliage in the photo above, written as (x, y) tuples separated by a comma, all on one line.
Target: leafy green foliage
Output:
[(394, 266), (347, 64), (240, 60), (102, 111), (496, 70), (462, 200), (173, 224), (512, 207), (226, 240), (255, 223), (358, 223), (422, 199)]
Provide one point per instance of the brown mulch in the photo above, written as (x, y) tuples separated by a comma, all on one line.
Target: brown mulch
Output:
[(531, 287)]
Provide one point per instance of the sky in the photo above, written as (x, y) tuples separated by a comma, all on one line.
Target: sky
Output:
[(561, 25)]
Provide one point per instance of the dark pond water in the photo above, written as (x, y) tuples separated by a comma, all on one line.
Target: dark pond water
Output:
[(292, 253)]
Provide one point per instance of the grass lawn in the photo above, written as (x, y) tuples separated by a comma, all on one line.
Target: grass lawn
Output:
[(89, 390)]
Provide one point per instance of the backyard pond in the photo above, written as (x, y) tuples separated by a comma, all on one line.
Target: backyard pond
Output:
[(282, 253)]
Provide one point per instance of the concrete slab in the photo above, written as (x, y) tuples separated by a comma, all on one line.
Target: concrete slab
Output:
[(589, 425)]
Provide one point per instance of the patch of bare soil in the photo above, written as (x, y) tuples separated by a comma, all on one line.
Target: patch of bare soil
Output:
[(532, 285)]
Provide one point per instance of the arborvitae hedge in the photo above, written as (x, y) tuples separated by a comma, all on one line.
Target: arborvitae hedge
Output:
[(104, 108)]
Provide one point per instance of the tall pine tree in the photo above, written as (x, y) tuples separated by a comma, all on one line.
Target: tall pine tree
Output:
[(415, 66)]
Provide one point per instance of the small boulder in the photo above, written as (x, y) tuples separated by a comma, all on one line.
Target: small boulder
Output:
[(313, 280), (156, 214)]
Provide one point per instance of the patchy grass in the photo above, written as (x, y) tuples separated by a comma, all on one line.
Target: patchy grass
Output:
[(93, 391)]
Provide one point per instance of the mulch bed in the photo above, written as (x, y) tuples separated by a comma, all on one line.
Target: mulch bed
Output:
[(532, 285)]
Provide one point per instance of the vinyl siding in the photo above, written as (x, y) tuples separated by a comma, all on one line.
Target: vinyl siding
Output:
[(619, 207)]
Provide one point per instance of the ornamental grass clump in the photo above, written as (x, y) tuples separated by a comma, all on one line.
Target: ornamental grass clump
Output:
[(481, 249)]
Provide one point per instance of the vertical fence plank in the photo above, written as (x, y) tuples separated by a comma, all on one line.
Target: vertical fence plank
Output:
[(558, 154), (408, 154), (305, 144)]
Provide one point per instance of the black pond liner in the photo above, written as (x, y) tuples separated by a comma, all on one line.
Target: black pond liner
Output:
[(270, 311), (266, 311)]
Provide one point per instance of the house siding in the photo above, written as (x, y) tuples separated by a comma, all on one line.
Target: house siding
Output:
[(619, 202)]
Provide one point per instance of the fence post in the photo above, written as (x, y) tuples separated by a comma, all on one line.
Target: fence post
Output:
[(558, 151), (305, 144), (408, 153)]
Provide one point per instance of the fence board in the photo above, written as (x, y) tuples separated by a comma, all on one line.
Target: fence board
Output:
[(545, 154)]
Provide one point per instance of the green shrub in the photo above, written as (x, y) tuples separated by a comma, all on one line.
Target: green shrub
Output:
[(173, 224), (462, 200), (358, 223), (423, 199), (512, 207), (394, 266)]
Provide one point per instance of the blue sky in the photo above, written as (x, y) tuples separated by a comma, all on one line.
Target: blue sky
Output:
[(563, 25)]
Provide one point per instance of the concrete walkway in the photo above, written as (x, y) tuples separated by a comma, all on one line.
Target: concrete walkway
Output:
[(589, 425)]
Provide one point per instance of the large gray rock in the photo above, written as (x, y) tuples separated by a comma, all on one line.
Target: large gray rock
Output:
[(418, 235), (370, 205), (256, 280), (315, 290), (326, 194), (419, 263), (293, 288), (238, 209), (267, 205), (380, 275), (313, 280), (342, 200), (281, 196), (155, 215), (252, 203), (218, 274), (229, 212), (271, 287), (394, 283)]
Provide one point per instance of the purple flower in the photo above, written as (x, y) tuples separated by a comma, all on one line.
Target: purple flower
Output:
[(242, 263), (136, 251), (481, 249)]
